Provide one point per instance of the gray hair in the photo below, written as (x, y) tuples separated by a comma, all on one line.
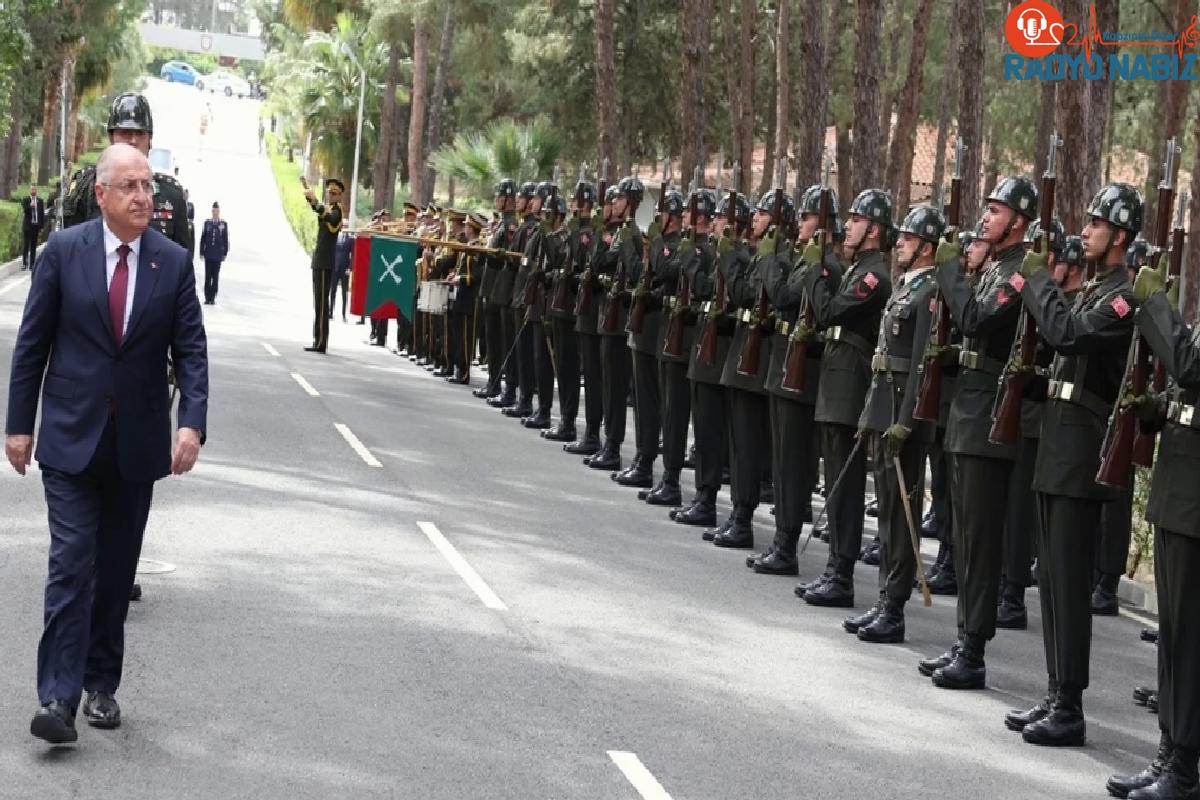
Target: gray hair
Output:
[(113, 155)]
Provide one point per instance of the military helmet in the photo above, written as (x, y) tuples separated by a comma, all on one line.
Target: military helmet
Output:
[(1119, 204), (1138, 254), (672, 203), (131, 111), (705, 202), (546, 188), (506, 188), (967, 238), (1072, 252), (610, 194), (528, 189), (556, 205), (810, 203), (873, 204), (787, 208), (632, 189), (741, 212), (924, 222), (1058, 236), (585, 193), (1018, 193)]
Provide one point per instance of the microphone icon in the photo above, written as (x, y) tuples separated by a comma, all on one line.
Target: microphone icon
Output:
[(1031, 24)]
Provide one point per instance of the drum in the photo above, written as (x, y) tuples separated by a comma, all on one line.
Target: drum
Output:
[(434, 298)]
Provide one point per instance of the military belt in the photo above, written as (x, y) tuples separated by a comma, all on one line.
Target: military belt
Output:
[(1183, 414), (882, 362), (1075, 394), (972, 359), (840, 334)]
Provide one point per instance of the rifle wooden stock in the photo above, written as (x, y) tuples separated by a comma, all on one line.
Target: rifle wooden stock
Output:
[(707, 353), (637, 314), (673, 346), (795, 360), (928, 404), (750, 358), (583, 298)]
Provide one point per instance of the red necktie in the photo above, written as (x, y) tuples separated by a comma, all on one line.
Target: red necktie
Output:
[(117, 291)]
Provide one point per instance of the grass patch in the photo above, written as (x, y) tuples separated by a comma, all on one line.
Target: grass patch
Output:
[(291, 194)]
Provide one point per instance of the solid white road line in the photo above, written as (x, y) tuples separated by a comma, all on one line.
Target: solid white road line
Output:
[(464, 570), (358, 446), (270, 348), (637, 774), (1147, 621), (305, 385), (14, 284)]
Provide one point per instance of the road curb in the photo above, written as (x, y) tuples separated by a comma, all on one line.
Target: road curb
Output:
[(1141, 596), (11, 267)]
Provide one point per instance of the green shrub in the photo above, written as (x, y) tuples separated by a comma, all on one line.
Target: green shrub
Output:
[(10, 229), (291, 194)]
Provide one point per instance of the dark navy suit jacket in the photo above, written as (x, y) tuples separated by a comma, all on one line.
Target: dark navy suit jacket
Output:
[(66, 338)]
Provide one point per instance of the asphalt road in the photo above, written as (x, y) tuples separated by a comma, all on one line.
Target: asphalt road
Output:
[(309, 632)]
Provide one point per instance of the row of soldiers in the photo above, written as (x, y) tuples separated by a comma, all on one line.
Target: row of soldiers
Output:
[(706, 313)]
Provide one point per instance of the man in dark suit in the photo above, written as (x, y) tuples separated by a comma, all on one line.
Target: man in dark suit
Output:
[(329, 225), (214, 246), (33, 216), (111, 298)]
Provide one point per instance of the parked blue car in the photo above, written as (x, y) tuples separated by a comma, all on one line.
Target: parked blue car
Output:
[(178, 72)]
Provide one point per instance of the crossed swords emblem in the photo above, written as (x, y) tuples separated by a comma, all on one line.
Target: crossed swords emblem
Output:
[(389, 268)]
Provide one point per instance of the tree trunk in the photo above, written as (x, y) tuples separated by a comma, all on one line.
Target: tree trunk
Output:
[(1074, 173), (748, 21), (812, 90), (605, 67), (900, 158), (866, 94), (1045, 126), (10, 150), (783, 120), (73, 126), (49, 121), (1191, 261), (693, 110), (416, 120), (991, 170), (901, 12), (970, 100), (845, 169), (385, 189), (438, 100), (733, 84), (1172, 98), (767, 178), (399, 166), (948, 90)]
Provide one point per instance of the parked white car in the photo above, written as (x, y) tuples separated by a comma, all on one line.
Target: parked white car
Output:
[(224, 82)]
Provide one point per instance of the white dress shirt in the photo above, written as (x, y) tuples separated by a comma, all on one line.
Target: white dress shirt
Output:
[(111, 243)]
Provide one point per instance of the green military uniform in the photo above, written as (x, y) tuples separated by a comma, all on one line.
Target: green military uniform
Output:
[(329, 225), (589, 244)]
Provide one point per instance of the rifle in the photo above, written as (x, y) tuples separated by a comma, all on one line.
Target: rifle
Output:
[(535, 276), (583, 300), (567, 273), (929, 398), (751, 355), (706, 354), (612, 309), (637, 314), (673, 345), (1006, 422), (1119, 454), (796, 358)]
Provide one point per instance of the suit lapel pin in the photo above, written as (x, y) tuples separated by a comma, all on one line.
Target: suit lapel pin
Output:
[(153, 265)]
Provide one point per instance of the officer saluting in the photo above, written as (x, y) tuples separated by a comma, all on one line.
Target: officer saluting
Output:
[(329, 225)]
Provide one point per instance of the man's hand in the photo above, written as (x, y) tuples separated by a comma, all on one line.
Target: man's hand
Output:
[(726, 243), (893, 439), (19, 449), (812, 254), (1034, 262), (947, 250), (187, 450), (1150, 280), (309, 196), (1148, 408), (766, 245)]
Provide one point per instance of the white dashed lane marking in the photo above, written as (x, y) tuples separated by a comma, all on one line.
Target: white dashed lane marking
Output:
[(460, 565), (305, 385), (358, 446), (636, 773)]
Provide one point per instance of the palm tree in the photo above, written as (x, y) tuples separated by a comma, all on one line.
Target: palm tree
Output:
[(507, 149)]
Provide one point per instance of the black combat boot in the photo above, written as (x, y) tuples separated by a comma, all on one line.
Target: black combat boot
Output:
[(1122, 785), (804, 588), (857, 623), (639, 475), (1150, 635), (1011, 613), (724, 527), (608, 457), (589, 444), (689, 460), (1178, 780), (702, 511), (1104, 596), (779, 558), (442, 372), (870, 553), (929, 525), (740, 535), (887, 627), (821, 531), (539, 421), (967, 670), (505, 400), (872, 507), (1017, 720), (521, 410), (667, 493), (564, 431), (946, 580), (1141, 694), (1064, 726), (927, 666), (837, 591), (487, 392), (1152, 702)]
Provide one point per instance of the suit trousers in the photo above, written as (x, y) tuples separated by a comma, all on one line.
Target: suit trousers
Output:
[(844, 507), (898, 562), (980, 495), (543, 365), (522, 358), (615, 361), (1176, 565), (320, 308), (566, 352), (749, 443), (29, 239), (593, 382), (1116, 530), (793, 435), (1021, 524), (677, 413), (709, 408), (647, 408), (458, 340), (493, 334), (212, 279), (340, 282), (1066, 551), (96, 524), (508, 344)]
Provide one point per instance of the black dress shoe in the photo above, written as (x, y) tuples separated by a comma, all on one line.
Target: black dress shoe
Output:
[(870, 554), (966, 672), (1122, 785), (502, 401), (314, 349), (777, 562), (1149, 635), (667, 493), (607, 458), (698, 513), (740, 536), (1017, 720), (563, 432), (100, 709), (887, 627), (589, 444), (1141, 694), (1064, 726), (836, 592), (709, 536), (518, 411), (538, 422), (927, 666), (55, 723), (856, 623), (135, 592)]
